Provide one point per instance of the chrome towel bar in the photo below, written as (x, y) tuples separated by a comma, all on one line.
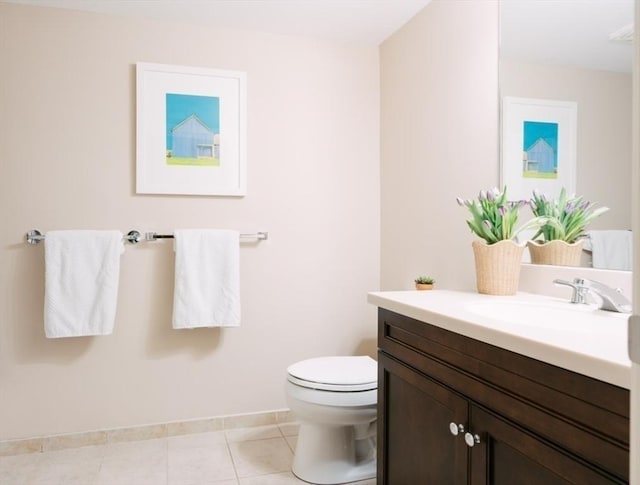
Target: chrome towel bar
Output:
[(152, 236), (134, 237)]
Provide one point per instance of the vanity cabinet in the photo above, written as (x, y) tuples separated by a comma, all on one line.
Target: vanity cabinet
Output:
[(454, 410)]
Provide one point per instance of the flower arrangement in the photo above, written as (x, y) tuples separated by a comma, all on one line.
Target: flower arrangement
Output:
[(566, 217), (493, 216)]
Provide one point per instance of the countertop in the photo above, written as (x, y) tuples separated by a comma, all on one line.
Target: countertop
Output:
[(579, 338)]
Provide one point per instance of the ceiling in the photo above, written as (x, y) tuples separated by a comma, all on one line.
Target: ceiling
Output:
[(364, 22), (567, 32)]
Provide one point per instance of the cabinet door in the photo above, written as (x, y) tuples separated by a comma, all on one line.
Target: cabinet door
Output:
[(507, 455), (415, 444)]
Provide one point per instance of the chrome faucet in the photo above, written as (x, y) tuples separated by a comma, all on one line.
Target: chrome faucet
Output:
[(610, 299)]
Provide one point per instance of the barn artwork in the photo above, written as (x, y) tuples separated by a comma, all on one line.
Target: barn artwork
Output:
[(192, 130), (540, 150), (539, 139)]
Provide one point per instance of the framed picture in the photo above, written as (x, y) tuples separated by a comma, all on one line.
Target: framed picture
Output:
[(538, 146), (191, 131)]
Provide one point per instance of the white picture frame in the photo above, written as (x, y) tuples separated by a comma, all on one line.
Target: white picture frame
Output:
[(528, 148), (177, 152)]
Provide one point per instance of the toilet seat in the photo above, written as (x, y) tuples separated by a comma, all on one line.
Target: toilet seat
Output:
[(336, 374)]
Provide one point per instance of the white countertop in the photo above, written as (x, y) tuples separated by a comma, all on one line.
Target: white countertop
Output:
[(579, 338)]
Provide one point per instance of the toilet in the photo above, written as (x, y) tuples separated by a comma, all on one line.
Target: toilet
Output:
[(334, 399)]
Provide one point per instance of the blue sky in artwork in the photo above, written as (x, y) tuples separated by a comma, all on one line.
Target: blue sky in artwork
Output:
[(534, 130), (181, 106)]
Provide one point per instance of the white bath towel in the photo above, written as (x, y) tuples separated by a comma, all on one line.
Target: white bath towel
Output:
[(207, 278), (612, 249), (82, 270)]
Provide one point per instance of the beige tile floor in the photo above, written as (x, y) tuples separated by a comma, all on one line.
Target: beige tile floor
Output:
[(245, 456)]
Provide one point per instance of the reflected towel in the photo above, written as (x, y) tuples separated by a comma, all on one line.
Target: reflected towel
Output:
[(207, 278), (82, 269), (612, 249)]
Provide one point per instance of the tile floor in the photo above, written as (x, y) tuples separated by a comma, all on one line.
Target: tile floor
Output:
[(259, 455)]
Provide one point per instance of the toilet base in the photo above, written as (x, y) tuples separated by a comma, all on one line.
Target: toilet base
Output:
[(329, 455)]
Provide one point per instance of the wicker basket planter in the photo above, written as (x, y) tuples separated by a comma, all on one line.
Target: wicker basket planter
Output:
[(497, 267), (556, 252)]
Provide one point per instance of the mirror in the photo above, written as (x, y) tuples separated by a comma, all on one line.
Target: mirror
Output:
[(561, 50)]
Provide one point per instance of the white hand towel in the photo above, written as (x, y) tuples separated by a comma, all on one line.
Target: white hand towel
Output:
[(612, 249), (82, 270), (207, 279)]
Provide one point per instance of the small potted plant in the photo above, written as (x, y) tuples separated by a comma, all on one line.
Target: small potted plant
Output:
[(497, 255), (424, 283), (559, 240)]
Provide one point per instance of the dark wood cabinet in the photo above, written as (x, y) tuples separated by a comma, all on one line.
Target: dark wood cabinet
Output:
[(418, 414), (454, 410)]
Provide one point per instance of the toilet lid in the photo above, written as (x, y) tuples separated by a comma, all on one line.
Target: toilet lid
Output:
[(345, 374)]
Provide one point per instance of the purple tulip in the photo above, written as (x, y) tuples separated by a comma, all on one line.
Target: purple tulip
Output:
[(569, 208)]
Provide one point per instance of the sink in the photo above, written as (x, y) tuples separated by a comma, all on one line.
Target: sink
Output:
[(577, 337), (548, 314)]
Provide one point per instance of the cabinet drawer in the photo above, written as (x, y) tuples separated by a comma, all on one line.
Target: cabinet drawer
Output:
[(588, 417)]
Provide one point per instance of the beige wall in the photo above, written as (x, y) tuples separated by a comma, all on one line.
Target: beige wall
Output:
[(67, 155), (604, 128), (439, 139)]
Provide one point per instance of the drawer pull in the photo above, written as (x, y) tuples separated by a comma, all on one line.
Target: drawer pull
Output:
[(456, 428), (471, 439)]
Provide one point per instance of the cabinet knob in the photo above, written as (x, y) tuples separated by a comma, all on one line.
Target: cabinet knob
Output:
[(471, 439), (456, 428)]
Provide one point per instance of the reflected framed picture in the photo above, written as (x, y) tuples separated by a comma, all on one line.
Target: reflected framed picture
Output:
[(190, 130), (538, 146)]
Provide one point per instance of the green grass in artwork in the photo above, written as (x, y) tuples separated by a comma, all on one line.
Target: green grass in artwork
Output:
[(197, 162), (532, 174)]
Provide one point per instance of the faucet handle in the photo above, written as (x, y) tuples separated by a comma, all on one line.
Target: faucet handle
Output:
[(564, 282), (579, 291)]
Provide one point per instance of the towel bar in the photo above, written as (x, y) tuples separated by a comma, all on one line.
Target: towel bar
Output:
[(134, 237), (34, 237), (152, 236)]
